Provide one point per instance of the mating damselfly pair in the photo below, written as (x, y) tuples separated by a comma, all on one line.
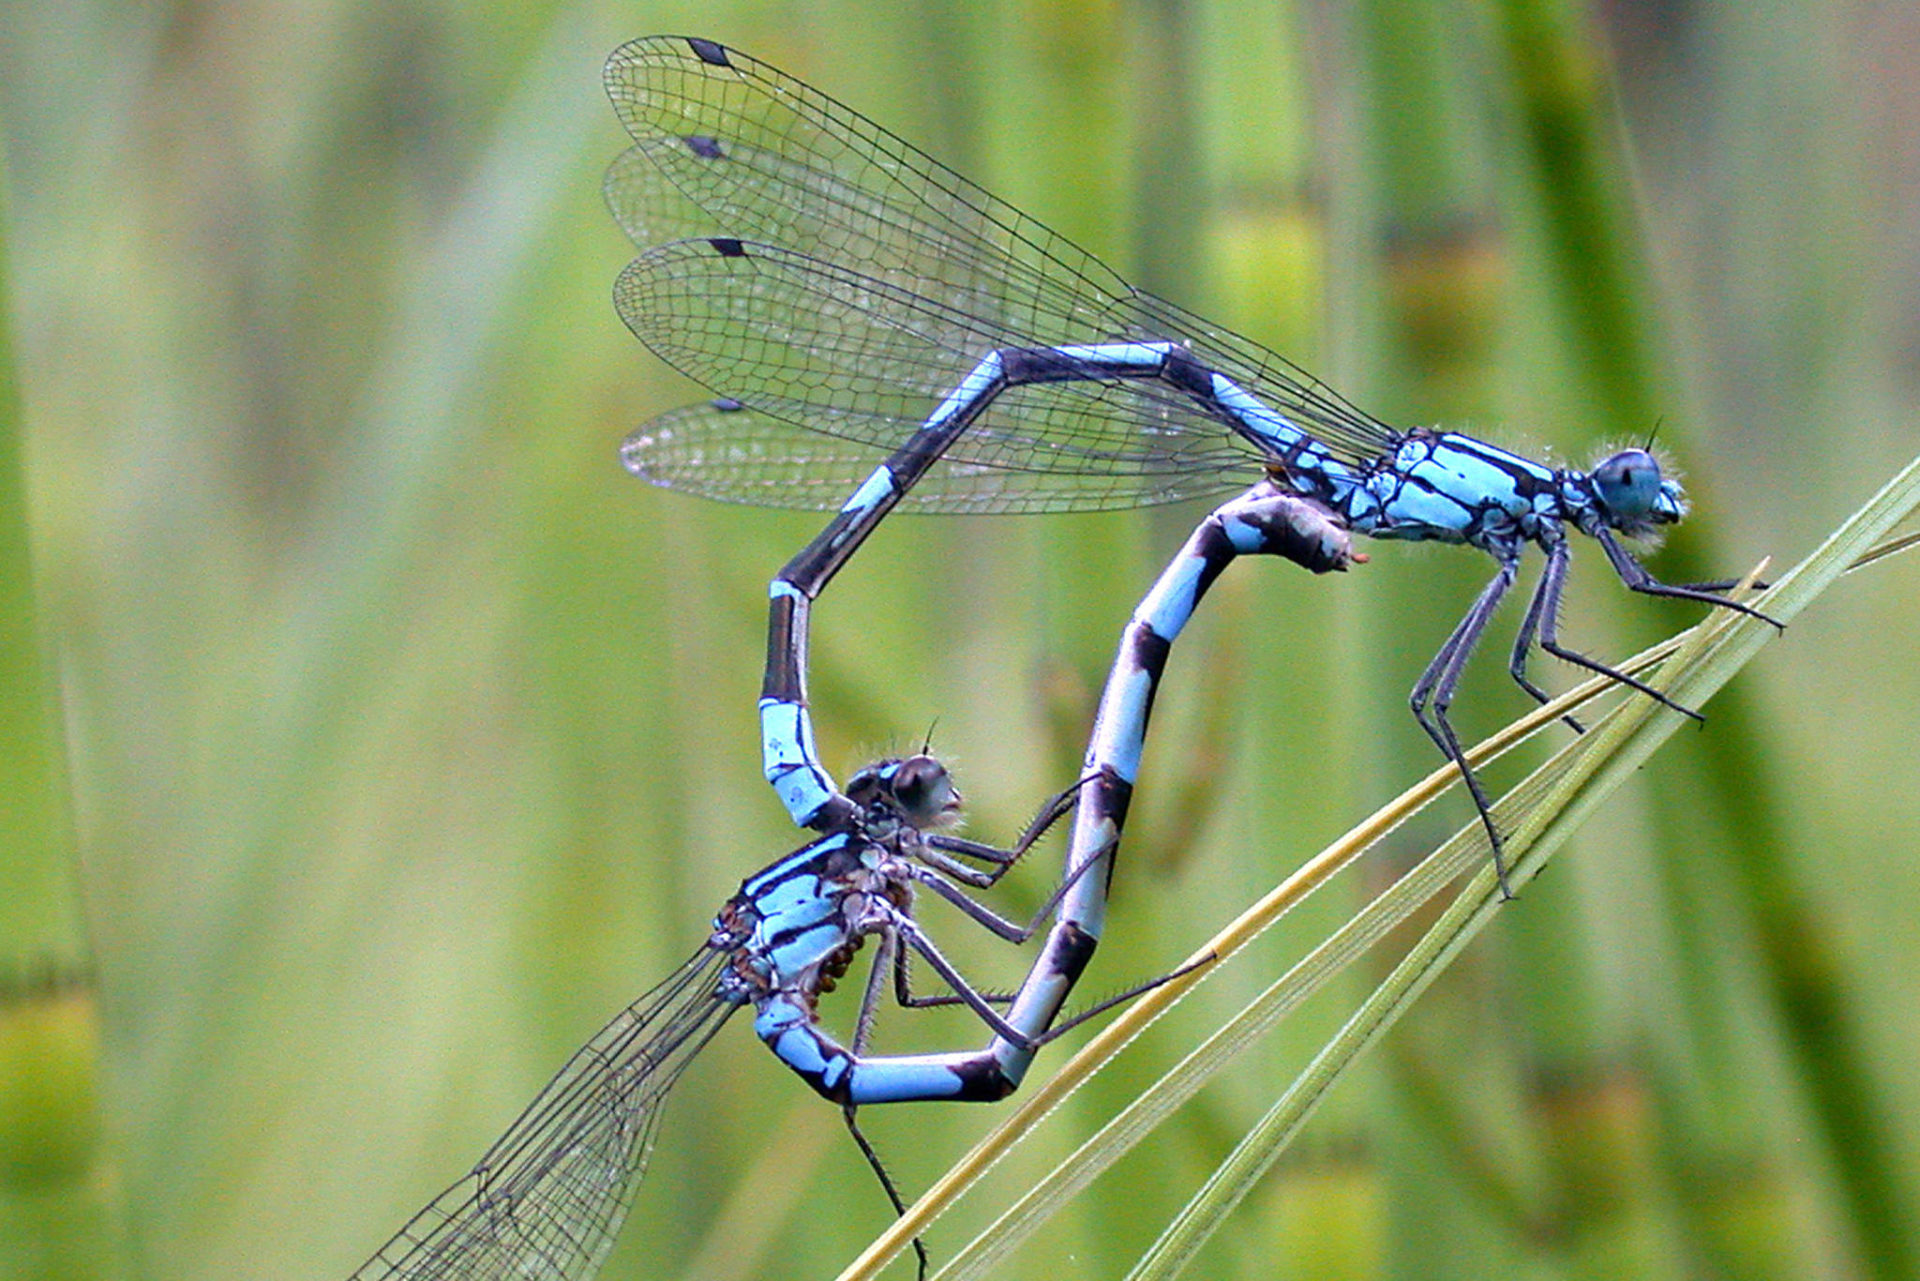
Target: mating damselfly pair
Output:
[(882, 333)]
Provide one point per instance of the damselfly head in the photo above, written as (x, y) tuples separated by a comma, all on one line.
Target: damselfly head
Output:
[(916, 788), (1633, 495)]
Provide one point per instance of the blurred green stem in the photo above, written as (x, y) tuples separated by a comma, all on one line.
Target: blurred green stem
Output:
[(53, 1215), (1560, 88), (1557, 79)]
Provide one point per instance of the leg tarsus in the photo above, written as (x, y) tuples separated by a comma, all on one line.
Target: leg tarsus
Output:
[(1545, 606), (1121, 998), (1565, 655), (886, 1181), (1549, 624), (993, 921), (904, 997), (1433, 693), (941, 844), (916, 938), (1638, 578)]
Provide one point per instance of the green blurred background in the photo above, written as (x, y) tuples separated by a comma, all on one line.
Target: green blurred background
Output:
[(410, 738)]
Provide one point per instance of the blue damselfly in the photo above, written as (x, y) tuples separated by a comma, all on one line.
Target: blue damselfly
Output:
[(547, 1200), (852, 299)]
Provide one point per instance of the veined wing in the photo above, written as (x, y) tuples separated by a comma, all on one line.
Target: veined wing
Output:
[(723, 450), (861, 359), (547, 1200), (870, 267)]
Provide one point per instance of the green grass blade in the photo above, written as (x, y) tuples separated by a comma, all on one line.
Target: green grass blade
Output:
[(1575, 783), (55, 1218), (1209, 1058), (1385, 912), (1541, 813)]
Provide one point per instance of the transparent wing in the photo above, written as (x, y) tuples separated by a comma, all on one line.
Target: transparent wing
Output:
[(547, 1200), (806, 262), (723, 450)]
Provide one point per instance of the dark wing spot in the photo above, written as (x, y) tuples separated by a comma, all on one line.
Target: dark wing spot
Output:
[(709, 52)]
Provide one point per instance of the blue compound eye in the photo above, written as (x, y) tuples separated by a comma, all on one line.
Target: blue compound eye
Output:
[(1629, 485)]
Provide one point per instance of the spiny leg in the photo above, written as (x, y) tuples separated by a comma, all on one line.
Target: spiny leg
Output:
[(1550, 642), (907, 999), (892, 957), (1101, 1006), (1544, 605), (916, 938), (1721, 586), (966, 994), (1436, 686), (998, 925), (991, 920), (1550, 638), (1637, 578), (884, 959), (938, 844), (886, 1181)]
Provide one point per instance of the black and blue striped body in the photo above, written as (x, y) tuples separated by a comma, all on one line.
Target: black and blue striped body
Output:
[(548, 1198), (1265, 521), (852, 298), (794, 929)]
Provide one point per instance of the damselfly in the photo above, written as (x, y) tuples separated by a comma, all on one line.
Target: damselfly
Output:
[(547, 1200), (851, 298)]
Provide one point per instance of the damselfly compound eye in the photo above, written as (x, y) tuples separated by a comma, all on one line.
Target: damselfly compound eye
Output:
[(1629, 486), (924, 790)]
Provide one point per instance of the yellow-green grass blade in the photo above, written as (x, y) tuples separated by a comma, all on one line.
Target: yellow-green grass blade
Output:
[(1540, 813)]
